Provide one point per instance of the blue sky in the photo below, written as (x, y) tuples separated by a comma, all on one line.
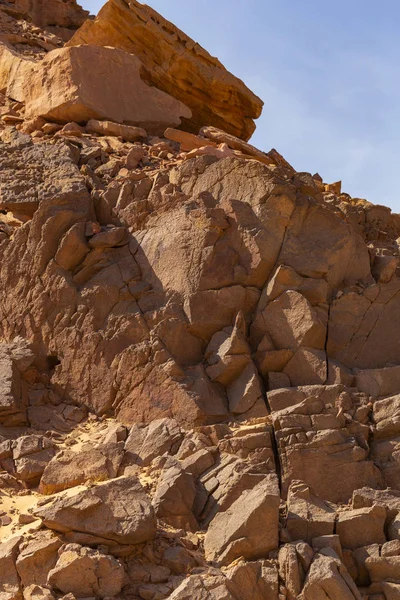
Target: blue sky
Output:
[(328, 72)]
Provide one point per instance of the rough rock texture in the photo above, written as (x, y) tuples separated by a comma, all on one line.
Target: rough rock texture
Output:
[(81, 83), (177, 65), (199, 349), (117, 510), (249, 528), (82, 571), (53, 12)]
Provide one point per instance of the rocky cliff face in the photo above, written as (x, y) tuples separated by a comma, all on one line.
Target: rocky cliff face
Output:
[(199, 349)]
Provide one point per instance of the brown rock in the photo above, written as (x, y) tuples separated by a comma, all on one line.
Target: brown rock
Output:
[(53, 13), (256, 580), (316, 444), (117, 511), (126, 132), (146, 443), (328, 573), (249, 528), (70, 468), (362, 527), (307, 366), (385, 567), (174, 497), (9, 581), (221, 137), (37, 557), (73, 248), (379, 382), (291, 321), (37, 592), (58, 88), (202, 587), (187, 141), (171, 60), (31, 455), (83, 572), (308, 517)]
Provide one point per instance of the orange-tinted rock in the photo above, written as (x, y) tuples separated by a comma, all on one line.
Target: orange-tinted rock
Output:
[(177, 65), (81, 83)]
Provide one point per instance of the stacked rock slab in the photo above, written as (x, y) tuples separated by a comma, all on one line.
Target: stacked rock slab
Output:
[(177, 65)]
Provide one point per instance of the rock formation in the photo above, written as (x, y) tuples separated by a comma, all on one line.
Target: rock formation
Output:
[(175, 64), (199, 349)]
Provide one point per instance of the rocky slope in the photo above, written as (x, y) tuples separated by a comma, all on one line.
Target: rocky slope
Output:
[(200, 359)]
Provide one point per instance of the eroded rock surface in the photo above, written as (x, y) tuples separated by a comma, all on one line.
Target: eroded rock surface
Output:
[(199, 350)]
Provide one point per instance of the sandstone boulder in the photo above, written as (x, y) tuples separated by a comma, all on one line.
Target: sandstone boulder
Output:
[(38, 592), (172, 60), (84, 572), (385, 567), (249, 528), (203, 587), (174, 498), (37, 556), (70, 468), (257, 580), (117, 511), (379, 382), (9, 581), (146, 443), (70, 85), (294, 562), (329, 445), (13, 388), (126, 132), (31, 454), (362, 527)]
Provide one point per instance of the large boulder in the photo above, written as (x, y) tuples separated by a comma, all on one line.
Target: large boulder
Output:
[(177, 65), (118, 511), (362, 527), (70, 468), (81, 83), (316, 442), (249, 528), (13, 388), (9, 581), (85, 572), (362, 331)]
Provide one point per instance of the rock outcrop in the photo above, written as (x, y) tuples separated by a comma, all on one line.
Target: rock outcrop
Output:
[(177, 65), (62, 17), (199, 349)]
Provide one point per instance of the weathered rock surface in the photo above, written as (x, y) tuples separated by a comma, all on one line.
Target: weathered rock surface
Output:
[(54, 13), (81, 571), (199, 358), (249, 528), (117, 511), (177, 65), (59, 88)]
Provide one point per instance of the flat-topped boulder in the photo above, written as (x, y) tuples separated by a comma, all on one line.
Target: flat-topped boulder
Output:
[(177, 65), (81, 83)]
